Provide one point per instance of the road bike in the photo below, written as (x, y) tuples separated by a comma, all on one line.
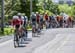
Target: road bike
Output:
[(19, 37)]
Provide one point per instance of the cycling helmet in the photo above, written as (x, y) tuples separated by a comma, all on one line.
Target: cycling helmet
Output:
[(15, 17), (36, 12), (33, 13), (19, 14)]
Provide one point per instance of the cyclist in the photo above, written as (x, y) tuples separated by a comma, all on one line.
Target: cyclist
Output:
[(46, 17), (16, 22), (41, 21), (33, 22), (38, 21), (25, 20), (33, 19), (24, 29), (37, 17)]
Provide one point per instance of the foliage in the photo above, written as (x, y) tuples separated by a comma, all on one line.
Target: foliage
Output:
[(73, 11), (12, 7), (25, 7), (67, 9), (64, 8), (9, 30), (0, 7), (34, 5), (49, 5)]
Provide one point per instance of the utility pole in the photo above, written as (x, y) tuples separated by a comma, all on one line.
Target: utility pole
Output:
[(2, 16), (44, 5), (30, 7)]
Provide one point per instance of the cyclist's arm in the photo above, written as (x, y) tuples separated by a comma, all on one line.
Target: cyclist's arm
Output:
[(13, 24), (21, 24)]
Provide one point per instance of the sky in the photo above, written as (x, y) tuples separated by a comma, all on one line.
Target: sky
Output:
[(58, 0), (61, 0), (55, 1)]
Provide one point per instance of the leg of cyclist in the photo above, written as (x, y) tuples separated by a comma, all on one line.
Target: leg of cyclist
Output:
[(33, 28), (16, 36), (25, 34), (17, 31)]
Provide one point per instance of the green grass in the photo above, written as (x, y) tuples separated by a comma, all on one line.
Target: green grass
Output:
[(8, 30)]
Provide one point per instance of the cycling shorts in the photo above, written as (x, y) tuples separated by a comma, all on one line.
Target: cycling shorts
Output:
[(17, 26)]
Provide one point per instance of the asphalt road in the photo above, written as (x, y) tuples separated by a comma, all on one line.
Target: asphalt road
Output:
[(63, 43), (50, 41)]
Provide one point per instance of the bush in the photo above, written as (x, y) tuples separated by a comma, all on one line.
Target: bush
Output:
[(9, 30), (29, 27)]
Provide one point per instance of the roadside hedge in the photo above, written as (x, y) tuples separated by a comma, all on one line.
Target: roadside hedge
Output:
[(9, 30)]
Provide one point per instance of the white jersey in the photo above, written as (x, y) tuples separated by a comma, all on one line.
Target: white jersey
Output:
[(26, 18), (65, 17)]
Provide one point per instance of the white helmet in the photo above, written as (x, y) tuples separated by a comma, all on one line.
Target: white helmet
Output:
[(36, 12), (19, 13), (33, 13), (15, 17)]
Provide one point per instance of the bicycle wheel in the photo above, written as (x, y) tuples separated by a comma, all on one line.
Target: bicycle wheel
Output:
[(16, 41), (33, 32)]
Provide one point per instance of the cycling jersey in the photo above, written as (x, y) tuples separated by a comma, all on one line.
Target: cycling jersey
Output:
[(41, 18), (46, 17), (33, 18), (17, 22), (37, 18)]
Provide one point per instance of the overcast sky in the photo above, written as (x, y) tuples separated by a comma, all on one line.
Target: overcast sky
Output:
[(55, 1), (59, 0)]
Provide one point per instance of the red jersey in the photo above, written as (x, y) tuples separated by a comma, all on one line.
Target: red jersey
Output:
[(70, 19), (59, 18), (38, 18), (17, 22), (46, 17)]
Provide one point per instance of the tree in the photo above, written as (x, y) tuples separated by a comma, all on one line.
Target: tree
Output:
[(25, 7), (0, 7), (35, 7), (10, 6), (52, 7), (73, 11)]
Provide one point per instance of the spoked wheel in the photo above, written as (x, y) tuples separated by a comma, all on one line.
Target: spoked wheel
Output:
[(39, 30), (33, 32), (16, 41)]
